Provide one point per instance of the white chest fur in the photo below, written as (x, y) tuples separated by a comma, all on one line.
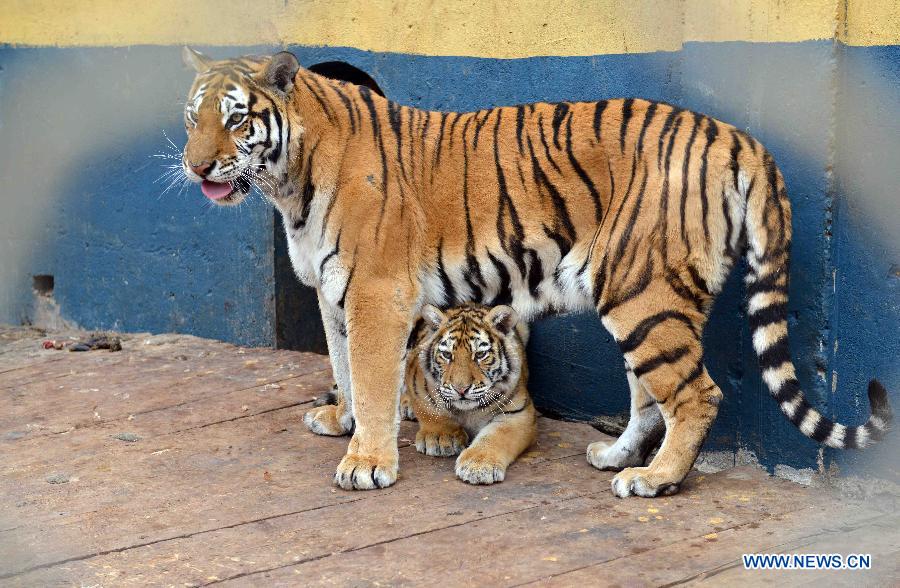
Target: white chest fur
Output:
[(314, 252)]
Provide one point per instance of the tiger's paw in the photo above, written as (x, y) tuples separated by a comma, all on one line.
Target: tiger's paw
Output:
[(609, 456), (641, 482), (477, 466), (441, 442), (329, 420), (366, 472), (406, 409)]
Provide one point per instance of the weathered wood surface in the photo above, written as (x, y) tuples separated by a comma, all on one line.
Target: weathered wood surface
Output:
[(225, 485)]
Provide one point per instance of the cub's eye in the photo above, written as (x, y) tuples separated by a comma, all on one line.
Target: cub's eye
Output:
[(235, 118), (481, 355), (445, 355)]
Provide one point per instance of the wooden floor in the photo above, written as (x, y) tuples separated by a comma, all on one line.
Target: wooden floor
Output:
[(182, 461)]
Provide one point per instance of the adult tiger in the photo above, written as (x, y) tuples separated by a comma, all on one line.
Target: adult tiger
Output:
[(637, 209)]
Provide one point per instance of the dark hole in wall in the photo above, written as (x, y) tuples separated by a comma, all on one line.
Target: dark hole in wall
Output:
[(42, 284), (298, 324), (338, 70)]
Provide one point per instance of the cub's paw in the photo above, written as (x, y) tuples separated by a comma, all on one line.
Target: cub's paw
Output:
[(329, 420), (479, 467), (366, 472), (441, 442), (609, 456), (641, 482), (406, 409)]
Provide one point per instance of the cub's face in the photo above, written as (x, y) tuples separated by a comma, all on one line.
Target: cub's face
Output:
[(473, 355), (235, 123)]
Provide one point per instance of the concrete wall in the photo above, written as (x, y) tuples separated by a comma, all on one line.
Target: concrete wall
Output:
[(88, 92)]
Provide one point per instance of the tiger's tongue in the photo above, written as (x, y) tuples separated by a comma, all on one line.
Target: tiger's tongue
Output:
[(216, 190)]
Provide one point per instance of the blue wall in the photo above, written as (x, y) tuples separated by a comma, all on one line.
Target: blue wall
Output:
[(87, 210), (79, 128)]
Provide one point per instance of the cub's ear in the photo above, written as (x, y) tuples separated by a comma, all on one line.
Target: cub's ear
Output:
[(433, 316), (195, 59), (503, 318), (281, 71)]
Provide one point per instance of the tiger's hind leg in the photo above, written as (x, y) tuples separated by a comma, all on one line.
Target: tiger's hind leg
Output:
[(333, 420), (663, 347), (407, 411), (641, 436)]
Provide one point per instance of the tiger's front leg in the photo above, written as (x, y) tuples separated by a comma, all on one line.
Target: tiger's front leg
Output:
[(334, 419), (497, 445), (379, 322), (438, 435)]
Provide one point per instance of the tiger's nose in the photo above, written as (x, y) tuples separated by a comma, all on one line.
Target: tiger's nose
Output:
[(201, 168)]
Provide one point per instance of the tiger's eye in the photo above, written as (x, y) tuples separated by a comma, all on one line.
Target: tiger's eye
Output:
[(446, 355), (481, 355), (235, 118)]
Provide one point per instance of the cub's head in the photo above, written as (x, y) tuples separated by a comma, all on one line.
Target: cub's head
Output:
[(472, 354), (235, 122)]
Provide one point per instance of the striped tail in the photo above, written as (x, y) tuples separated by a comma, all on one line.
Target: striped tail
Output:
[(768, 228)]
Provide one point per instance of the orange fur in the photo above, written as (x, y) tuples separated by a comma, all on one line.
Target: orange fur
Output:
[(637, 209)]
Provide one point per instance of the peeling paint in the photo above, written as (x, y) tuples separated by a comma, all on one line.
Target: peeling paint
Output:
[(804, 476)]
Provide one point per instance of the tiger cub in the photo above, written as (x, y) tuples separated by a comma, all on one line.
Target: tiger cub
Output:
[(466, 379)]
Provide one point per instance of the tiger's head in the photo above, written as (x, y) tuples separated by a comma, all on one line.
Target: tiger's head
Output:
[(472, 354), (235, 122)]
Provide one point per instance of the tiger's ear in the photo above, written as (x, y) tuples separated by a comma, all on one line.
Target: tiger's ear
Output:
[(433, 316), (503, 318), (195, 59), (281, 71)]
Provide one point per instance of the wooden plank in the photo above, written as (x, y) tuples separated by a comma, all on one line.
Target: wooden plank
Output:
[(225, 485), (58, 364), (124, 494), (158, 427), (21, 347), (299, 465), (814, 531), (99, 462), (93, 394), (517, 547), (716, 558)]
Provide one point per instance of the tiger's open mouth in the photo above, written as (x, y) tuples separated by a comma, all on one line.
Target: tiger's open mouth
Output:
[(216, 190), (225, 192)]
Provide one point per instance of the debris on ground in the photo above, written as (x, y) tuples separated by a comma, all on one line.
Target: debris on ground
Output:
[(98, 341), (89, 343), (127, 437), (57, 479)]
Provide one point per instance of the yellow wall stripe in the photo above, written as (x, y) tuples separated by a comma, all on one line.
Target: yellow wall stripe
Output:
[(482, 28), (760, 21), (870, 22)]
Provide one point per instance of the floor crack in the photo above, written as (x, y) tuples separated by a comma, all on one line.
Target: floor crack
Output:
[(100, 424), (386, 541), (366, 496)]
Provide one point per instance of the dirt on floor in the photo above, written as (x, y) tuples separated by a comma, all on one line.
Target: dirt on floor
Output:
[(183, 461)]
